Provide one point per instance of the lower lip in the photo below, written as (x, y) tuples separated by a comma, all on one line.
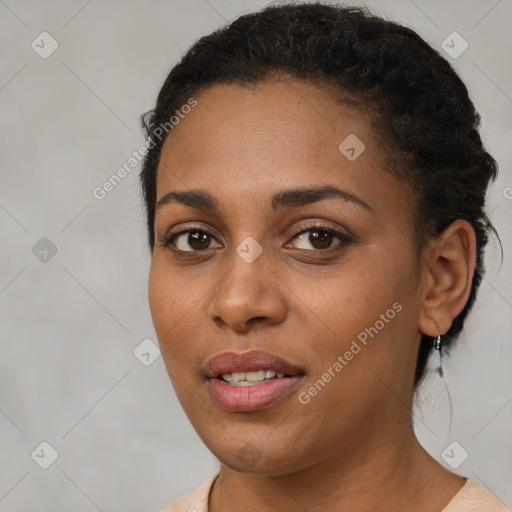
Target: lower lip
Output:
[(251, 398)]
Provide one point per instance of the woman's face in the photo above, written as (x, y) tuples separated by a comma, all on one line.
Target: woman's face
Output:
[(264, 277)]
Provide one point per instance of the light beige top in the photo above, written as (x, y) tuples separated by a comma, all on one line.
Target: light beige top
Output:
[(472, 497)]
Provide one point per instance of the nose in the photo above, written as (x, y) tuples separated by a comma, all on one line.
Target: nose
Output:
[(247, 294)]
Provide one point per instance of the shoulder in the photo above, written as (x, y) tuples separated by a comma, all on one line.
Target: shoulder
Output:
[(472, 497), (194, 501)]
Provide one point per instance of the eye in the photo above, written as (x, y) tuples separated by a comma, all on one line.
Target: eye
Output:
[(190, 240), (320, 238)]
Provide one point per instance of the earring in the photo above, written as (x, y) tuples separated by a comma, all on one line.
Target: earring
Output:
[(437, 346), (437, 341)]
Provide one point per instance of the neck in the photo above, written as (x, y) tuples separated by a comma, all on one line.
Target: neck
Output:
[(385, 476)]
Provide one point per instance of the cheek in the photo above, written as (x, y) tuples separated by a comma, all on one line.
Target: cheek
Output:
[(171, 295), (363, 310), (161, 300), (177, 304), (168, 305), (353, 294)]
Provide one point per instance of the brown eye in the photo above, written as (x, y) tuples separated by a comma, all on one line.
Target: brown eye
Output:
[(319, 239), (191, 240)]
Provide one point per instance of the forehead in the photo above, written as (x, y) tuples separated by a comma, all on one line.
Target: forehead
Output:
[(253, 140)]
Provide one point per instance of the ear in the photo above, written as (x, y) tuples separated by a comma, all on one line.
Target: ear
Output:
[(447, 269)]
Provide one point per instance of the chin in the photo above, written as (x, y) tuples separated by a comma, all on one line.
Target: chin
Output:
[(249, 456)]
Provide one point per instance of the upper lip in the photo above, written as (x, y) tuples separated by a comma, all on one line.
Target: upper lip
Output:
[(253, 360)]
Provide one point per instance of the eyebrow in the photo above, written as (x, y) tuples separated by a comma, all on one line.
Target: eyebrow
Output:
[(290, 198)]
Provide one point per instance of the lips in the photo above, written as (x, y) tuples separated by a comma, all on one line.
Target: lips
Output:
[(254, 360), (255, 396)]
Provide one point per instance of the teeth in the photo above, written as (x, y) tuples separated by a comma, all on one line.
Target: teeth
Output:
[(247, 377), (254, 376)]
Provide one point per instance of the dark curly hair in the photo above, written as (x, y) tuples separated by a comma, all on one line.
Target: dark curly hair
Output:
[(416, 102)]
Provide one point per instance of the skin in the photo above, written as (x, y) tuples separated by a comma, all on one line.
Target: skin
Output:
[(352, 447)]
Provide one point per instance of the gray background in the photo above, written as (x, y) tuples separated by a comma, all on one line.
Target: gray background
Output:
[(69, 325)]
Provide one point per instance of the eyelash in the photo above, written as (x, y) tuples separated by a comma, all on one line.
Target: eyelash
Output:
[(342, 237)]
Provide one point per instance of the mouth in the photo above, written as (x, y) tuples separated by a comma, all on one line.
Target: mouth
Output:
[(250, 381)]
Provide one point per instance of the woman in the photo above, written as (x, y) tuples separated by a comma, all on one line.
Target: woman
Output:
[(315, 188)]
